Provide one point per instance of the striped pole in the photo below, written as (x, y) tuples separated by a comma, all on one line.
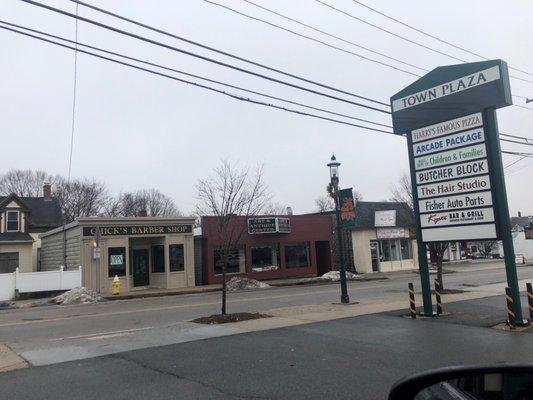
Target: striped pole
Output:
[(412, 305), (437, 296), (530, 301), (510, 307)]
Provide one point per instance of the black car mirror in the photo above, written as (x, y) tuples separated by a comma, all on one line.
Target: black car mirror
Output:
[(479, 382)]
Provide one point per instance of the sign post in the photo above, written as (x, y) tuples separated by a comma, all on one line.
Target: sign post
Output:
[(457, 177)]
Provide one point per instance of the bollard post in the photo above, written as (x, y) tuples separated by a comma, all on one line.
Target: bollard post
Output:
[(412, 305), (438, 296), (510, 307), (530, 301)]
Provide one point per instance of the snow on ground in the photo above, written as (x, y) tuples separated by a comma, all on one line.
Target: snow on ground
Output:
[(239, 283), (78, 295), (335, 276)]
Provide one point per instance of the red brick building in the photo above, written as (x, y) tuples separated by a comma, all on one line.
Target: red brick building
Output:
[(270, 247)]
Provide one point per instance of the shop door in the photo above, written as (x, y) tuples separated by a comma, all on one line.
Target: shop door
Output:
[(374, 255), (323, 257), (140, 267)]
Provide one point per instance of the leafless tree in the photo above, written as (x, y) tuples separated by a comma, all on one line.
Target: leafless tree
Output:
[(402, 191), (145, 202), (231, 192), (24, 183), (80, 197), (324, 204), (437, 250), (275, 209), (485, 247)]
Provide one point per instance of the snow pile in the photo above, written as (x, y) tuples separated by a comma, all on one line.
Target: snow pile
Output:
[(335, 276), (240, 283), (78, 295)]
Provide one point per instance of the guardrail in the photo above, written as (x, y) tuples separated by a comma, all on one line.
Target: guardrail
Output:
[(43, 281)]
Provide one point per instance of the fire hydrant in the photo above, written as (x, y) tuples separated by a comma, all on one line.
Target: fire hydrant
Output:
[(116, 285)]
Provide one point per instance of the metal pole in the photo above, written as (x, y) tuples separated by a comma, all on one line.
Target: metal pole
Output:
[(412, 305), (503, 223), (342, 269), (438, 289), (511, 317), (422, 253), (530, 301)]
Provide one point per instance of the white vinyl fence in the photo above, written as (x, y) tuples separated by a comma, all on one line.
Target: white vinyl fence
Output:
[(29, 282)]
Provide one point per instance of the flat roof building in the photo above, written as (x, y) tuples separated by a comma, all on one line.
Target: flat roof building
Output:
[(144, 252)]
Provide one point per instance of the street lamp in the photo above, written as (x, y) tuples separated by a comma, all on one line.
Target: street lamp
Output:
[(333, 190)]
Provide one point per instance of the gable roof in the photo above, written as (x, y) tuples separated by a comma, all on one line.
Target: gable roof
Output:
[(43, 213), (365, 213), (522, 221)]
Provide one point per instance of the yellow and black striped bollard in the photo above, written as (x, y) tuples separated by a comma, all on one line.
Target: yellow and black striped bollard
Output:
[(438, 296), (510, 312), (412, 305), (530, 301)]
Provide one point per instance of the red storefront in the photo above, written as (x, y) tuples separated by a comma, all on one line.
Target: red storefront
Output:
[(270, 247)]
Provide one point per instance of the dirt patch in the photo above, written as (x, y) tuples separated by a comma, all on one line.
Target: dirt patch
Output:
[(227, 318)]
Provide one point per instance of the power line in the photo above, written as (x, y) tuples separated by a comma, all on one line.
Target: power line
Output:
[(514, 162), (73, 100), (517, 137), (515, 141), (316, 30), (211, 60), (232, 95), (403, 37), (433, 36), (227, 54), (192, 75), (517, 153)]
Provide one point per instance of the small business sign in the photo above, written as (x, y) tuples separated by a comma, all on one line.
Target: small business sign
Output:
[(392, 233), (268, 225), (132, 230), (385, 218)]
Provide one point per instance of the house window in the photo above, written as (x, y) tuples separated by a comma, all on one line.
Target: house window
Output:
[(235, 263), (12, 221), (8, 262), (297, 255), (265, 258), (158, 258), (177, 259), (116, 261)]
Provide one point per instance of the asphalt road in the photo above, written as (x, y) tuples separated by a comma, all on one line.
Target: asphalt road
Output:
[(352, 358), (51, 334)]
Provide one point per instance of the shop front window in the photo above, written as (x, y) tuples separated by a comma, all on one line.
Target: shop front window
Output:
[(407, 252), (177, 257), (265, 258), (158, 258), (297, 255), (235, 263), (395, 250), (116, 261)]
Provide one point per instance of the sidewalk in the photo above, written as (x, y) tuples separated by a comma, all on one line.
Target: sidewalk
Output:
[(145, 293)]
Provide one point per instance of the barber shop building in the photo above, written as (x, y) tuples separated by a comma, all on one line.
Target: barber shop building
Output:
[(144, 252)]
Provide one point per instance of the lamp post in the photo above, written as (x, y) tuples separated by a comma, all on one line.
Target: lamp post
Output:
[(333, 190)]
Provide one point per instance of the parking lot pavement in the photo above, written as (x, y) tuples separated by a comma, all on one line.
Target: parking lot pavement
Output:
[(358, 357)]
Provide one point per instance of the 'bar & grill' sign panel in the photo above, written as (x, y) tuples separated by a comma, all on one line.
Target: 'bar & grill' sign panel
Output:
[(449, 146)]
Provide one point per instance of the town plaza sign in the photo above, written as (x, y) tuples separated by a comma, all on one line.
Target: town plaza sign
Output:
[(449, 119)]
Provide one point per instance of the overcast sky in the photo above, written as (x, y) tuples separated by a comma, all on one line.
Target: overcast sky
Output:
[(134, 130)]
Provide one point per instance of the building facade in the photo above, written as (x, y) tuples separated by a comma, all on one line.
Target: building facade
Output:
[(144, 252), (22, 219), (383, 237), (268, 247)]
